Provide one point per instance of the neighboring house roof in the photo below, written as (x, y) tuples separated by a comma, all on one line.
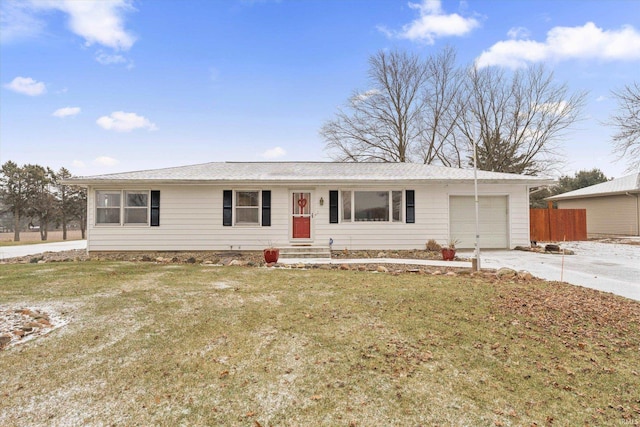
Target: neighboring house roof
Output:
[(627, 184), (306, 172)]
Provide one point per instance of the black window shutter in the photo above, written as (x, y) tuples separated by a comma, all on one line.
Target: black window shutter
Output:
[(227, 207), (333, 207), (155, 208), (266, 208), (410, 199)]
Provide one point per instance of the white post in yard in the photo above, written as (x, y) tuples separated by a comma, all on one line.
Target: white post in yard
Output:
[(475, 187)]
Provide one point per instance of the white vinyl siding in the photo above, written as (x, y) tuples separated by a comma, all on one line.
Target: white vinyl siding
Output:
[(191, 219), (493, 221)]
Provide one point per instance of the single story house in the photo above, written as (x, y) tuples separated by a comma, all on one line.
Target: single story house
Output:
[(613, 207), (253, 205)]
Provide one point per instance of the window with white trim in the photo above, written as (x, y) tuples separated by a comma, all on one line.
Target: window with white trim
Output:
[(122, 207), (370, 206), (247, 207), (136, 208), (108, 207)]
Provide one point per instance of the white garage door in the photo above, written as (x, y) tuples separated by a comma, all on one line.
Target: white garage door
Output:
[(493, 219)]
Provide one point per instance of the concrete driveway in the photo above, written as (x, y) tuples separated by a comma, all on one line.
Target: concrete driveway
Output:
[(38, 248), (608, 267)]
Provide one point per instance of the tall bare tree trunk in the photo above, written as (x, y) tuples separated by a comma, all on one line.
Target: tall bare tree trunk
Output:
[(16, 226), (83, 226), (64, 226), (43, 230)]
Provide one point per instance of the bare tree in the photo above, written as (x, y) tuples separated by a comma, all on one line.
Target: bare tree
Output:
[(440, 113), (432, 112), (516, 120), (385, 122), (626, 120)]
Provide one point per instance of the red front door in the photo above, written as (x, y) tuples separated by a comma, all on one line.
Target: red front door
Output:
[(301, 209)]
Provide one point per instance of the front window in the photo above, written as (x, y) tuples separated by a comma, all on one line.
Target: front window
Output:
[(370, 206), (107, 207), (247, 207), (122, 207), (136, 208)]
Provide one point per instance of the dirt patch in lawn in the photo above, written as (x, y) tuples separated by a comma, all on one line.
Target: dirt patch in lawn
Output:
[(22, 323)]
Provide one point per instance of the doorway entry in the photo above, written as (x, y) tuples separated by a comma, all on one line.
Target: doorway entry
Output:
[(301, 208)]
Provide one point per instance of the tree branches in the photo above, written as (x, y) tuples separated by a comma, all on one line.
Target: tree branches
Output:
[(432, 111), (382, 123), (626, 120), (518, 120)]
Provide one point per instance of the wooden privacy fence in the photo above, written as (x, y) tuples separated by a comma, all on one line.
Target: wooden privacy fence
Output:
[(556, 225)]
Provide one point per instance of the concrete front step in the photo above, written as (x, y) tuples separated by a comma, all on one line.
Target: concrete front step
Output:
[(305, 252)]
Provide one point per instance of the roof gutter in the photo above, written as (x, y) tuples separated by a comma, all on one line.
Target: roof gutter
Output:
[(346, 181)]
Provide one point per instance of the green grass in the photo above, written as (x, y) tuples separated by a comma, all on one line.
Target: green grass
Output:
[(154, 344)]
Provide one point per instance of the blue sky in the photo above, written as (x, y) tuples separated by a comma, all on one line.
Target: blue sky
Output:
[(115, 85)]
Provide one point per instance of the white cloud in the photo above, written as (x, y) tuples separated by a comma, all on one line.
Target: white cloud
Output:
[(360, 97), (601, 98), (433, 23), (120, 121), (78, 164), (555, 108), (562, 43), (106, 59), (66, 112), (17, 21), (27, 86), (98, 22), (518, 33), (111, 59), (274, 153), (105, 161)]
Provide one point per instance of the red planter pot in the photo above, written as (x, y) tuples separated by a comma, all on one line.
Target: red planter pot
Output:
[(448, 254), (271, 255)]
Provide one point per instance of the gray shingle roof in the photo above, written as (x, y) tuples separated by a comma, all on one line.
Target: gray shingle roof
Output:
[(626, 184), (306, 172)]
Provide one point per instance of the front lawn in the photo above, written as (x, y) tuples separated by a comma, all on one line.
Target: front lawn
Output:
[(149, 344)]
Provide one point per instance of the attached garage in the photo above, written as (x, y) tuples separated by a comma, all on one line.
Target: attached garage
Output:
[(493, 221)]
